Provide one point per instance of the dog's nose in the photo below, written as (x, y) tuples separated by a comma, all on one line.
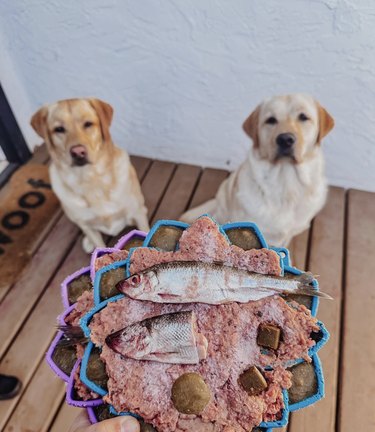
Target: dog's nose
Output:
[(79, 154), (285, 141)]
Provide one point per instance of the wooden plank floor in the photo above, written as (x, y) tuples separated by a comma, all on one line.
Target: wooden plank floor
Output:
[(339, 247)]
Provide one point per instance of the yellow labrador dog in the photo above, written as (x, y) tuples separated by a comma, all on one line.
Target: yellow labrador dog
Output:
[(94, 180), (281, 185)]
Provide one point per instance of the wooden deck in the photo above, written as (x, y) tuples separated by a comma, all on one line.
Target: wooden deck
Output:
[(340, 247)]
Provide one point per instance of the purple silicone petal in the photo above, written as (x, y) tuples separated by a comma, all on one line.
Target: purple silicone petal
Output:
[(123, 240), (91, 415), (51, 363), (66, 282), (98, 252), (61, 317), (70, 392), (51, 349)]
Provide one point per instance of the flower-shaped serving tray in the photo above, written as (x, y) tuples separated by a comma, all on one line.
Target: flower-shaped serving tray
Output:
[(256, 239)]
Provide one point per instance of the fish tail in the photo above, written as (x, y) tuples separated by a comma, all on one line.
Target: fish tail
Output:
[(309, 290), (306, 287), (306, 278)]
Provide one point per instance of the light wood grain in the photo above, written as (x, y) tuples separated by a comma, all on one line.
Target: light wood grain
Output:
[(31, 343), (16, 306), (155, 184), (141, 165), (28, 311), (208, 185), (178, 192), (357, 378), (65, 417), (38, 403), (298, 250), (326, 260)]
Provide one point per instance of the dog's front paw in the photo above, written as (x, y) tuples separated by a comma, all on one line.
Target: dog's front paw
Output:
[(87, 245)]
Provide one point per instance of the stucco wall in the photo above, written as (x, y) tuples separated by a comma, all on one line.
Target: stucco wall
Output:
[(183, 75)]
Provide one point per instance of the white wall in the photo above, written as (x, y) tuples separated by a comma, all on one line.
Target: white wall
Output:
[(183, 74)]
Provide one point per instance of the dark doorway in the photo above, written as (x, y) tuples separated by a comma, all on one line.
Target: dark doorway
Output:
[(13, 148)]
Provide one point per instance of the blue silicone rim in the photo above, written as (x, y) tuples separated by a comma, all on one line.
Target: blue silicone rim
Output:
[(285, 265)]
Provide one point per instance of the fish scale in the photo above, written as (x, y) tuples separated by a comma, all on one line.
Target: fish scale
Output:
[(211, 283), (168, 338)]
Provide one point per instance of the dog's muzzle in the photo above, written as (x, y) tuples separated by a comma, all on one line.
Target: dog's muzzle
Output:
[(285, 144), (79, 155)]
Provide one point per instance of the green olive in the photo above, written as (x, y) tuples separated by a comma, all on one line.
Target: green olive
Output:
[(190, 394)]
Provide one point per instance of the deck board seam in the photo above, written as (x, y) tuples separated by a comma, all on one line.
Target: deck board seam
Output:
[(152, 215), (342, 313), (37, 300), (196, 184), (150, 162)]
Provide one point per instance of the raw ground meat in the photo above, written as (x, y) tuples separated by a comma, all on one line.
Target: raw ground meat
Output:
[(204, 242), (110, 258), (84, 303), (82, 391), (231, 330)]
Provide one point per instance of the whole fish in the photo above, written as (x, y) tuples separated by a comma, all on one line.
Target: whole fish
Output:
[(212, 283), (169, 338)]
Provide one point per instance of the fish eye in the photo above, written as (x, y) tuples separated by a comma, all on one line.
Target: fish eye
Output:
[(271, 120), (59, 129), (135, 280)]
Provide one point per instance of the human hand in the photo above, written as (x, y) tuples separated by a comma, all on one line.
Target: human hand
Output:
[(118, 424)]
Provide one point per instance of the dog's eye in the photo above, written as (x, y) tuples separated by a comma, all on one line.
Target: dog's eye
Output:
[(303, 117), (59, 129), (87, 124), (271, 120)]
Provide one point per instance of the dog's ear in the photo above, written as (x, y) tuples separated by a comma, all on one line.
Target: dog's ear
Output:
[(326, 122), (39, 122), (250, 126), (105, 114)]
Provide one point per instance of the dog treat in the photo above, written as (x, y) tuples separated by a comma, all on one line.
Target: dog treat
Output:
[(304, 382), (232, 368), (244, 238), (65, 358), (268, 336), (190, 394), (96, 369), (78, 286), (253, 381), (166, 238), (109, 281)]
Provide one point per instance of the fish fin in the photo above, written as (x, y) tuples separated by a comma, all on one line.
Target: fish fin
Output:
[(305, 278), (306, 288), (72, 335), (309, 290)]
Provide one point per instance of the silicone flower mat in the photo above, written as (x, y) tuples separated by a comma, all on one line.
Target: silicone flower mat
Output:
[(165, 235)]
